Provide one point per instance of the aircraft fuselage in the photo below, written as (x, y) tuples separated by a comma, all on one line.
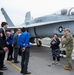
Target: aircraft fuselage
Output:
[(49, 29)]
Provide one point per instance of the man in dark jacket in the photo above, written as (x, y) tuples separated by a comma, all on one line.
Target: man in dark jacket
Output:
[(3, 49), (16, 46), (3, 28), (55, 49)]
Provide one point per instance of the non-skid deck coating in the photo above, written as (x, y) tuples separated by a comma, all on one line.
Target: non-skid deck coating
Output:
[(40, 63)]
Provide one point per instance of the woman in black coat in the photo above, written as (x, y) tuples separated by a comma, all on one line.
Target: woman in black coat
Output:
[(55, 49)]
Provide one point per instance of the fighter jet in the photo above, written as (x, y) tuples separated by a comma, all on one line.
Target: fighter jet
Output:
[(46, 26)]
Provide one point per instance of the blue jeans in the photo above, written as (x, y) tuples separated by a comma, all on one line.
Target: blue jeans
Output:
[(56, 54)]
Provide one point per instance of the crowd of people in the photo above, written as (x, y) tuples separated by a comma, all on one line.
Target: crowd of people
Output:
[(17, 43), (14, 43)]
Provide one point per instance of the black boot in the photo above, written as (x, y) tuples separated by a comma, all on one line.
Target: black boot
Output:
[(1, 73)]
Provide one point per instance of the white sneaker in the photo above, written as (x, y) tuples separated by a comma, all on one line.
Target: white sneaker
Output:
[(53, 63), (57, 63)]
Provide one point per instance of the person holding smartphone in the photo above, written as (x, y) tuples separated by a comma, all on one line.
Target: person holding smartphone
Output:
[(55, 49)]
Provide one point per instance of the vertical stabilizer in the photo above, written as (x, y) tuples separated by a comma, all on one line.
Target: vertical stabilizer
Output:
[(7, 18), (28, 16)]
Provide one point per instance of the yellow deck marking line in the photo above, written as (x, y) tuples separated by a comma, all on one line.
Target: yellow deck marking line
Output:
[(73, 50), (14, 65)]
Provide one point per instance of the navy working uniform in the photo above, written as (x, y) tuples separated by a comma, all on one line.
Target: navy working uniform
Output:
[(23, 41)]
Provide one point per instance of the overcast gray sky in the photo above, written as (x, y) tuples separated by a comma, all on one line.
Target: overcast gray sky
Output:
[(16, 9)]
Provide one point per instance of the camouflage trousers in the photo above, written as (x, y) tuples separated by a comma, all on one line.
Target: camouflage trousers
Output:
[(69, 57)]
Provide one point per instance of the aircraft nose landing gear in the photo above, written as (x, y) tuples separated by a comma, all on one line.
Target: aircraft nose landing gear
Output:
[(38, 42)]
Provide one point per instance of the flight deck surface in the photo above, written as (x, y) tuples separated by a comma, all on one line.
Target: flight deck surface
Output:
[(40, 63)]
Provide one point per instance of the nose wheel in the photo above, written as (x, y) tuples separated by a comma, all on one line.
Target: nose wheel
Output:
[(39, 43)]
